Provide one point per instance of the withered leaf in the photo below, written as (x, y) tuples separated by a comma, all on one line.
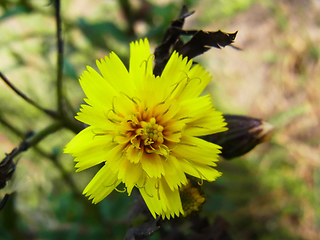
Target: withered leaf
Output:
[(200, 42), (171, 38)]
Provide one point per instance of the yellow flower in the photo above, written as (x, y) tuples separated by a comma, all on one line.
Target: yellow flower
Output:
[(145, 128)]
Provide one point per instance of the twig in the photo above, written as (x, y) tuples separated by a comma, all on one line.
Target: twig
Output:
[(51, 113), (7, 165), (127, 10), (50, 156), (59, 58), (68, 122), (22, 135), (13, 129), (143, 231), (3, 201)]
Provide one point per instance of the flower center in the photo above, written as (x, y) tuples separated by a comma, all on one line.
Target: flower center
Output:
[(150, 132), (147, 136)]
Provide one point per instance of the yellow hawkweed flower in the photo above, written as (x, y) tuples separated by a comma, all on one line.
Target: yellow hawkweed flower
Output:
[(145, 128)]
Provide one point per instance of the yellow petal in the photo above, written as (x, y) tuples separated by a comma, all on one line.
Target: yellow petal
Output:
[(173, 131), (129, 173), (171, 199), (149, 192), (140, 65), (94, 116), (212, 123), (200, 117), (197, 150), (175, 71), (134, 155), (173, 173), (166, 111), (113, 70), (86, 139), (160, 199), (199, 170), (98, 91), (102, 184), (152, 164), (197, 80)]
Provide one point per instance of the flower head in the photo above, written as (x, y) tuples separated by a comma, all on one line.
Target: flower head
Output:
[(145, 128)]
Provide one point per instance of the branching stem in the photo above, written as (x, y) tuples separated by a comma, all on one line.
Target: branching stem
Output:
[(51, 113)]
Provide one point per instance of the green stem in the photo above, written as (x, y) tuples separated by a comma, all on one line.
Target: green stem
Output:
[(59, 58), (51, 113), (36, 138), (68, 121), (13, 129), (52, 157)]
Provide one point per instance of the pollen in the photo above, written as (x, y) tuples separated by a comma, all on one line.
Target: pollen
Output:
[(146, 135), (151, 132)]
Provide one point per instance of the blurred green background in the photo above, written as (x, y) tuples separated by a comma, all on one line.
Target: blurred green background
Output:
[(273, 192)]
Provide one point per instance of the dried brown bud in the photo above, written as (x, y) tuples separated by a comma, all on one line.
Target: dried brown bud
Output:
[(243, 134), (191, 197)]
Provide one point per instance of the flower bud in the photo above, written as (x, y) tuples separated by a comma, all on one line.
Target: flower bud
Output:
[(243, 134), (192, 199)]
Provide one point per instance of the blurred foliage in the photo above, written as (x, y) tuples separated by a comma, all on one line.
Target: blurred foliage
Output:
[(271, 193)]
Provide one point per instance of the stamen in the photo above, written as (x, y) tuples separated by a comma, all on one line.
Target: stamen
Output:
[(184, 118), (114, 183), (121, 191), (101, 134), (113, 120), (201, 176), (135, 143), (131, 98), (201, 182), (150, 195), (151, 57), (113, 108), (190, 79), (144, 184), (157, 187), (166, 111), (187, 79), (160, 103), (189, 144), (159, 151), (200, 127), (148, 142)]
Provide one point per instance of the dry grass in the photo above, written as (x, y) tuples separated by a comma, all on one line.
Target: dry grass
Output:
[(277, 77)]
